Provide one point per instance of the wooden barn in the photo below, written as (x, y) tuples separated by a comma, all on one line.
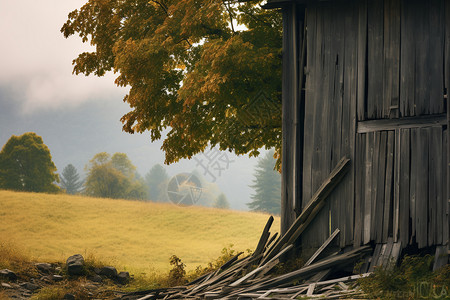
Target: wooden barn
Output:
[(368, 80)]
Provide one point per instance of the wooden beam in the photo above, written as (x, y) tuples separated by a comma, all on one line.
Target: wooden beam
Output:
[(408, 122), (325, 244)]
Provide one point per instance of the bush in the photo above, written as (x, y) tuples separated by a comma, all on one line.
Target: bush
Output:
[(413, 279)]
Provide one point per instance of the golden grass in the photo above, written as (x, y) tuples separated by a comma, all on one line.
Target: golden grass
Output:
[(136, 236)]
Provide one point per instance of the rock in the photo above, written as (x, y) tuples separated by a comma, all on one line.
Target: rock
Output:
[(57, 278), (75, 265), (123, 277), (44, 267), (8, 274), (69, 297), (109, 272), (30, 286), (96, 278), (97, 271)]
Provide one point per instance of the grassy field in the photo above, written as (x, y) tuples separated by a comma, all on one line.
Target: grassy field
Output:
[(136, 236)]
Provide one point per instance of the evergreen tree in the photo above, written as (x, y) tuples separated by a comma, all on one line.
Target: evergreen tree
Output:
[(221, 202), (156, 180), (26, 165), (267, 186), (70, 180)]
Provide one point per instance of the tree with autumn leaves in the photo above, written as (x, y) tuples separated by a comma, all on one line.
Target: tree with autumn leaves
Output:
[(197, 69)]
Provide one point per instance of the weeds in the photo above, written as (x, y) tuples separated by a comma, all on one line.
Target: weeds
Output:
[(413, 279)]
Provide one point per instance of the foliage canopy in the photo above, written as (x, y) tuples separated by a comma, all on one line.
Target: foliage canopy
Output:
[(26, 165), (191, 67), (113, 177)]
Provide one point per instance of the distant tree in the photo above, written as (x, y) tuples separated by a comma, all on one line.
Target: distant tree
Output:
[(26, 165), (267, 186), (70, 180), (221, 202), (156, 180), (113, 177)]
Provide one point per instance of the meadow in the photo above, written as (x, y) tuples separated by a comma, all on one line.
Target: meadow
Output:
[(138, 237)]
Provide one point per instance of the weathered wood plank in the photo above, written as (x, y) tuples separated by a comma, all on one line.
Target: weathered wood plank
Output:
[(350, 111), (413, 182), (264, 237), (402, 123), (319, 197), (380, 179), (436, 57), (289, 98), (445, 187), (324, 245), (368, 187), (435, 187), (407, 60), (446, 210), (396, 206), (422, 56), (405, 161), (391, 84), (362, 57), (375, 14), (374, 182), (359, 188), (422, 188), (388, 190)]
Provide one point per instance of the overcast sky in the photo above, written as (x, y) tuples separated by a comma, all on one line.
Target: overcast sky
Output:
[(77, 116)]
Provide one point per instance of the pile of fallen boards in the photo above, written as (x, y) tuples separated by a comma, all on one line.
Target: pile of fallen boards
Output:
[(249, 277)]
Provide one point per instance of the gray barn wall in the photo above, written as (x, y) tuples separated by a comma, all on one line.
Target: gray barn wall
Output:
[(375, 77)]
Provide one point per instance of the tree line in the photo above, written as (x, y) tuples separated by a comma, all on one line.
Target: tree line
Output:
[(26, 165)]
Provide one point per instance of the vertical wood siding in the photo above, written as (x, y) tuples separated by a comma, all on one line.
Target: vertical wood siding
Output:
[(375, 61)]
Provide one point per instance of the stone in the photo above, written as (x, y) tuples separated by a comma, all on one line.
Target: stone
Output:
[(69, 297), (44, 267), (96, 278), (109, 272), (75, 265), (123, 277), (57, 278), (8, 274), (30, 286)]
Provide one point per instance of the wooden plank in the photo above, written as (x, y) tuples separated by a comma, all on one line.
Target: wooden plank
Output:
[(380, 179), (375, 257), (362, 58), (386, 255), (405, 158), (440, 257), (321, 194), (396, 206), (402, 123), (289, 97), (375, 14), (435, 59), (422, 57), (446, 210), (422, 188), (413, 183), (388, 191), (324, 245), (435, 187), (264, 237), (374, 183), (391, 84), (445, 187), (359, 188), (407, 59), (368, 188)]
